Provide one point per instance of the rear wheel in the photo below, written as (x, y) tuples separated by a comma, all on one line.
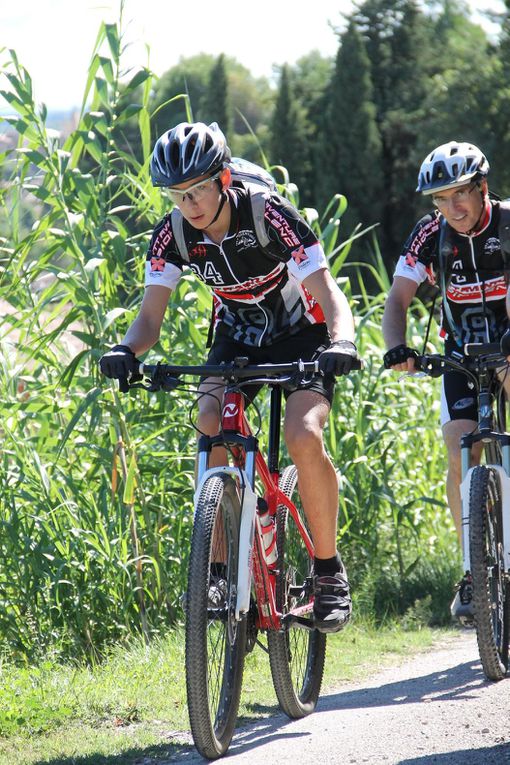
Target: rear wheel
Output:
[(215, 641), (296, 655), (490, 587)]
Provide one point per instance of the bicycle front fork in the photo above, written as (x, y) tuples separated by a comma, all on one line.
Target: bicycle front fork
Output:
[(503, 470)]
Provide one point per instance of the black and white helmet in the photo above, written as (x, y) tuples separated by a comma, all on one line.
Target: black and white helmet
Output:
[(188, 151), (450, 165)]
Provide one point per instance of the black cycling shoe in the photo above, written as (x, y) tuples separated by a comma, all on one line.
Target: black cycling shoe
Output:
[(332, 605), (462, 604)]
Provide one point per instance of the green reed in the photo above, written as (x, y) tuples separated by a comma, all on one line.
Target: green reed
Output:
[(96, 487)]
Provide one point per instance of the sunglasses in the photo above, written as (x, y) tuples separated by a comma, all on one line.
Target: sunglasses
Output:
[(193, 193), (462, 195)]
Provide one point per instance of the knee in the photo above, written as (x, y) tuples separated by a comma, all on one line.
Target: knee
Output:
[(303, 441)]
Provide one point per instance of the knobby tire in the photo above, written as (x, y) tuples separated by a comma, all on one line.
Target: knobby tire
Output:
[(490, 587), (215, 642), (296, 655)]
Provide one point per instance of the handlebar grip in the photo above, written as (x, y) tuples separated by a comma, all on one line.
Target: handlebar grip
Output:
[(481, 349)]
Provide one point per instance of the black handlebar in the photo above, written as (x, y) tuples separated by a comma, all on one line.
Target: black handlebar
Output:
[(166, 376), (231, 370), (477, 358)]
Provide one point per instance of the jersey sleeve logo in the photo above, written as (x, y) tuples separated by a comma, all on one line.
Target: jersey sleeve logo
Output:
[(157, 264), (300, 257)]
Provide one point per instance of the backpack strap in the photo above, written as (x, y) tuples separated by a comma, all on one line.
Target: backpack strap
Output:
[(178, 232), (445, 253), (258, 209), (444, 257)]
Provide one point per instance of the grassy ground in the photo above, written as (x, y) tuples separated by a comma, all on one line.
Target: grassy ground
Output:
[(132, 708)]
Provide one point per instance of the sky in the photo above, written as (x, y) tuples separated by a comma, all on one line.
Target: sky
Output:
[(54, 39)]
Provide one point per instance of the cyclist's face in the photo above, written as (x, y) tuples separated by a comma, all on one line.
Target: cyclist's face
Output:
[(197, 199), (461, 206)]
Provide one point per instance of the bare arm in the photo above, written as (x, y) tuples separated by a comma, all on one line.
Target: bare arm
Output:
[(333, 302), (144, 331), (394, 321)]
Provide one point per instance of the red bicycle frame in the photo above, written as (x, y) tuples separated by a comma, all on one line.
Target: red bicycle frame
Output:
[(236, 434)]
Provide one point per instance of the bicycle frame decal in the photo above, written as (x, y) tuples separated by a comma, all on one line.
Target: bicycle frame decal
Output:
[(232, 415), (465, 488)]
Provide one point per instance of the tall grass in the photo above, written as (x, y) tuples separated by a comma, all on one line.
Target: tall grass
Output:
[(95, 488)]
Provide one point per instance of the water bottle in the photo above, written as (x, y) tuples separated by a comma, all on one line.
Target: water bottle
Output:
[(268, 529)]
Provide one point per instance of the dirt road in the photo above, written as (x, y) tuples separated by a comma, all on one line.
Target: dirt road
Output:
[(434, 708)]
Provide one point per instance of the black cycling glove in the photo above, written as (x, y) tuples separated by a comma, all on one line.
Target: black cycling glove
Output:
[(398, 355), (505, 343), (339, 358), (120, 363)]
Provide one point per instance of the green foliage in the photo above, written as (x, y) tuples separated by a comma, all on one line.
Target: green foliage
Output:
[(349, 124), (132, 707), (216, 103), (290, 144), (95, 489)]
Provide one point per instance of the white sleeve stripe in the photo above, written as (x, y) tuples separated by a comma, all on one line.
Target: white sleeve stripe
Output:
[(416, 272), (163, 274), (306, 260)]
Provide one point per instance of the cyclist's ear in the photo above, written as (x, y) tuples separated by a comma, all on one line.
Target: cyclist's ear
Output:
[(225, 178)]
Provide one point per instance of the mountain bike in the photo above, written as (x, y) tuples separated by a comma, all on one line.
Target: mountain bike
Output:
[(485, 495), (251, 560)]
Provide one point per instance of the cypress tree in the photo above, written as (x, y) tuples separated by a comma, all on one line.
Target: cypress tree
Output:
[(215, 105), (398, 44), (350, 147), (290, 146)]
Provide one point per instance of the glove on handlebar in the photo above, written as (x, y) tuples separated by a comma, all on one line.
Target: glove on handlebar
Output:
[(505, 343), (398, 355), (339, 358), (120, 363)]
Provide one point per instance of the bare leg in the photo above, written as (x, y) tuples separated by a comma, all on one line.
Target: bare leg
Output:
[(209, 409), (452, 433), (305, 417)]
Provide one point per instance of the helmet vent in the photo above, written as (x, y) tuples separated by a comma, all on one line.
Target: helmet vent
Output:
[(189, 150)]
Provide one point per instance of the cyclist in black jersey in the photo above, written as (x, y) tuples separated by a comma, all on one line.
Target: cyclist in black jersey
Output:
[(274, 303), (471, 272)]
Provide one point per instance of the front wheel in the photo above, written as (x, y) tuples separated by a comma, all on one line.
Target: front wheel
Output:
[(490, 587), (296, 655), (215, 641)]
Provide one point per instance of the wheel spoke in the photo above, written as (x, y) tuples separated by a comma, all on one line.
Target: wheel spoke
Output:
[(215, 642), (490, 586), (296, 655)]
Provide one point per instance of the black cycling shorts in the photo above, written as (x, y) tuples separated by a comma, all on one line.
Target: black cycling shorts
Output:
[(458, 398), (305, 345)]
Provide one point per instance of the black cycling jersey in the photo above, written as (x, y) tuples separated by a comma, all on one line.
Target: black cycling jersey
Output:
[(258, 293), (474, 275)]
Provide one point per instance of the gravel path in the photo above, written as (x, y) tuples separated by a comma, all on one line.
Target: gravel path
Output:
[(434, 708)]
